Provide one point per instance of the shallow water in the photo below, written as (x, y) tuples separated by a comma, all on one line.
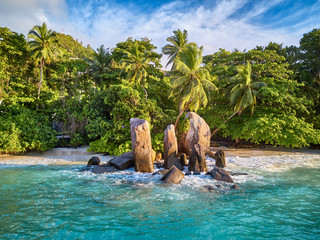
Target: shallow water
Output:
[(279, 199)]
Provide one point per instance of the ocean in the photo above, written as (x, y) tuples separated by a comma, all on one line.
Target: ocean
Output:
[(279, 198)]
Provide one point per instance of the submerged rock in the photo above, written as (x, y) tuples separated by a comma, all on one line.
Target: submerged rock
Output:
[(174, 175), (220, 174), (94, 161), (220, 159), (209, 188), (161, 172), (102, 169), (122, 162), (141, 145)]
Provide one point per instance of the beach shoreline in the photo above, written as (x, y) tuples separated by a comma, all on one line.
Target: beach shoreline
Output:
[(79, 156)]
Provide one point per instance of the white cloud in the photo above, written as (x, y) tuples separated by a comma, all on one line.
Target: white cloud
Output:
[(211, 26)]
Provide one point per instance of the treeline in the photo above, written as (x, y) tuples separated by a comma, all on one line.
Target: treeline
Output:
[(49, 82)]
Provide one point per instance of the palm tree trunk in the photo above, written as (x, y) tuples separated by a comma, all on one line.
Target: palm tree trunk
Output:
[(145, 92), (216, 130), (39, 89), (175, 124)]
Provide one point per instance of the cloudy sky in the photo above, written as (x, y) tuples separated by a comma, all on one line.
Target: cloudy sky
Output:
[(214, 24)]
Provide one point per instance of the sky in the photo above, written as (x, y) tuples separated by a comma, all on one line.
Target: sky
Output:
[(213, 24)]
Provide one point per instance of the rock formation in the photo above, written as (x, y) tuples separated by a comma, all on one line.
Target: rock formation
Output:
[(197, 161), (94, 161), (220, 174), (123, 161), (102, 169), (141, 145), (170, 147), (174, 175), (220, 159), (198, 133)]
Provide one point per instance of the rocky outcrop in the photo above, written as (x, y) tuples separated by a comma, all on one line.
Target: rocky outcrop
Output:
[(94, 161), (122, 162), (197, 161), (220, 174), (170, 147), (141, 145), (183, 159), (174, 175), (198, 133), (220, 159), (102, 169)]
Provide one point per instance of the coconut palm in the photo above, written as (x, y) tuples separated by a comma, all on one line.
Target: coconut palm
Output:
[(42, 47), (189, 80), (178, 42), (244, 93), (100, 64), (135, 64)]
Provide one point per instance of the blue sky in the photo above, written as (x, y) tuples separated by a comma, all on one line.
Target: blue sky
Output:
[(228, 24)]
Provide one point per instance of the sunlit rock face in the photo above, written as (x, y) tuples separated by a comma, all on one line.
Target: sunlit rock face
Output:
[(141, 145)]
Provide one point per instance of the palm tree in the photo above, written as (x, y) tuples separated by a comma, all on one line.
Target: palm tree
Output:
[(243, 94), (189, 80), (135, 64), (100, 64), (42, 45), (178, 42)]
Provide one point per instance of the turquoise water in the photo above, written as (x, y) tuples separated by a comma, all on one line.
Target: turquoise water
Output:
[(59, 202)]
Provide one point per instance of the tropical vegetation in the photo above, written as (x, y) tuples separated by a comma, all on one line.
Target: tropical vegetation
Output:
[(52, 85)]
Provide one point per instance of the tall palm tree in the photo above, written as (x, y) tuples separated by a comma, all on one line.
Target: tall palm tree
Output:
[(135, 64), (244, 93), (100, 64), (42, 45), (189, 80), (178, 43)]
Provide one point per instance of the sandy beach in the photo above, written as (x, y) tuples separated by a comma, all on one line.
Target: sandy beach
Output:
[(76, 156)]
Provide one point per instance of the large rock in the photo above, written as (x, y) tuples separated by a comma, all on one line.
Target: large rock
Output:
[(122, 162), (102, 169), (220, 174), (94, 161), (220, 159), (141, 145), (197, 161), (174, 175), (198, 133), (170, 147)]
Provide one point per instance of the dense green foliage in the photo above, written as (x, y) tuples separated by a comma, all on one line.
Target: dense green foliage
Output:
[(270, 94)]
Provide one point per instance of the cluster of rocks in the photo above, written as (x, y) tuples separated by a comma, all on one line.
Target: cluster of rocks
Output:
[(195, 144)]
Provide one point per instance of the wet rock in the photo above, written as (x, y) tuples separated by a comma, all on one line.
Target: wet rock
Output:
[(94, 161), (189, 173), (122, 162), (101, 169), (220, 159), (220, 174), (161, 172), (141, 145), (197, 161), (159, 163), (196, 173), (174, 175), (238, 174), (198, 133), (209, 188), (88, 168), (234, 186)]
